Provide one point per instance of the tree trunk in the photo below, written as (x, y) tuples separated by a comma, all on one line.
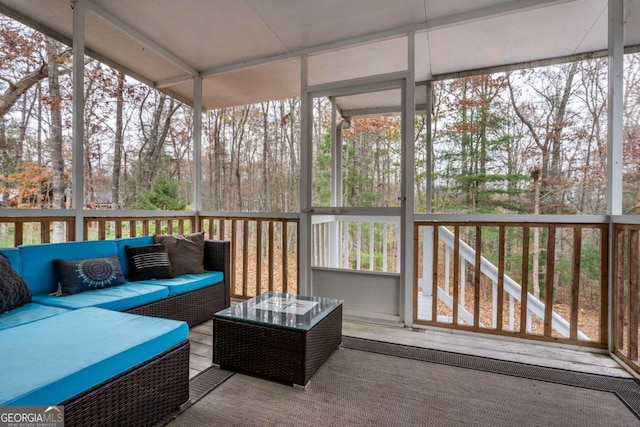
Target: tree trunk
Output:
[(55, 136), (117, 148), (265, 156)]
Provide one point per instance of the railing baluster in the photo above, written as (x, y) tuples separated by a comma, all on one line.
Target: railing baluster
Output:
[(575, 283), (500, 296), (371, 259), (632, 328), (234, 253), (258, 257), (245, 257), (434, 282), (102, 231), (548, 284), (604, 284), (524, 286), (456, 272), (271, 254), (285, 256), (385, 262), (476, 278)]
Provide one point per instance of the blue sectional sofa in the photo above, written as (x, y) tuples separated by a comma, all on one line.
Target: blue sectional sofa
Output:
[(112, 356), (192, 298)]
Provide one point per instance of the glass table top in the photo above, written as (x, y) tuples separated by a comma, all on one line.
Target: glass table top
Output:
[(286, 310)]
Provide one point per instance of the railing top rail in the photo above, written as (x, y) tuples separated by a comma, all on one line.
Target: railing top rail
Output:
[(36, 213), (325, 219), (513, 219), (250, 215)]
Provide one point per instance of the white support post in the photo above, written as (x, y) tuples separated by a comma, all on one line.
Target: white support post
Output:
[(306, 164), (614, 135), (407, 197), (197, 147), (336, 185), (429, 148), (77, 201), (614, 113), (427, 261)]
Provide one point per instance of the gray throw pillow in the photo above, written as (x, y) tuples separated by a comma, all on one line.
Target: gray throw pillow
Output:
[(186, 252), (14, 292)]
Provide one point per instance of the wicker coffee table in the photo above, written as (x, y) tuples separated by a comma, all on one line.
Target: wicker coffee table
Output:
[(281, 336)]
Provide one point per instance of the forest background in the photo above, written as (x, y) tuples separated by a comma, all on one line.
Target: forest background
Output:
[(528, 141)]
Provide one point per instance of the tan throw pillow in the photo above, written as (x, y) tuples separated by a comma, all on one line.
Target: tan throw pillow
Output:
[(186, 253)]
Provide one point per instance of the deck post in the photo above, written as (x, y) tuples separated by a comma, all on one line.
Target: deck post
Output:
[(407, 198), (614, 133), (78, 117), (336, 185), (197, 148), (306, 166)]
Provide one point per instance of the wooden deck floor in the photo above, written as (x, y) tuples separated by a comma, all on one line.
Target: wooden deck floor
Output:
[(503, 348)]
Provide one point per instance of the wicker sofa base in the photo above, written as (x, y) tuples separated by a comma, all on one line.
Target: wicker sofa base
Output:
[(192, 307), (141, 396), (287, 355)]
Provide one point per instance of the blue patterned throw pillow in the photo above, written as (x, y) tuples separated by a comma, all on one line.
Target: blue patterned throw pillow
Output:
[(81, 275), (14, 292)]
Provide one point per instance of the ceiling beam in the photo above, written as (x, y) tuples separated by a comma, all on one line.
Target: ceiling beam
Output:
[(456, 19), (138, 36)]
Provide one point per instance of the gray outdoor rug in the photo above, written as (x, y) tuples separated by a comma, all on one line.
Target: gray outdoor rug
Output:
[(418, 387)]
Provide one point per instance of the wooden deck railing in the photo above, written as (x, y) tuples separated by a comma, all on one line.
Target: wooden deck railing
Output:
[(482, 277), (264, 248), (626, 273), (470, 294), (24, 230)]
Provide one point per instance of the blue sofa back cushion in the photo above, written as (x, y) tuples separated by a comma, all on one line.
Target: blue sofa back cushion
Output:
[(76, 351), (14, 292), (14, 257), (37, 260), (87, 274)]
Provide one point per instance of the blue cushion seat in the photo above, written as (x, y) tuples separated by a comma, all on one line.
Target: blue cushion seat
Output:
[(187, 282), (28, 313), (51, 360), (119, 298)]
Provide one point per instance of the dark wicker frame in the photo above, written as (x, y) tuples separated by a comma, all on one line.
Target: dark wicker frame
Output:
[(284, 354), (141, 396), (199, 305)]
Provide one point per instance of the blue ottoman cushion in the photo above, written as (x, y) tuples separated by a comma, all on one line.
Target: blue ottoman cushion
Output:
[(28, 313), (51, 360)]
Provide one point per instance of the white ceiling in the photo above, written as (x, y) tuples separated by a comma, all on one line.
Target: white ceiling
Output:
[(249, 50)]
